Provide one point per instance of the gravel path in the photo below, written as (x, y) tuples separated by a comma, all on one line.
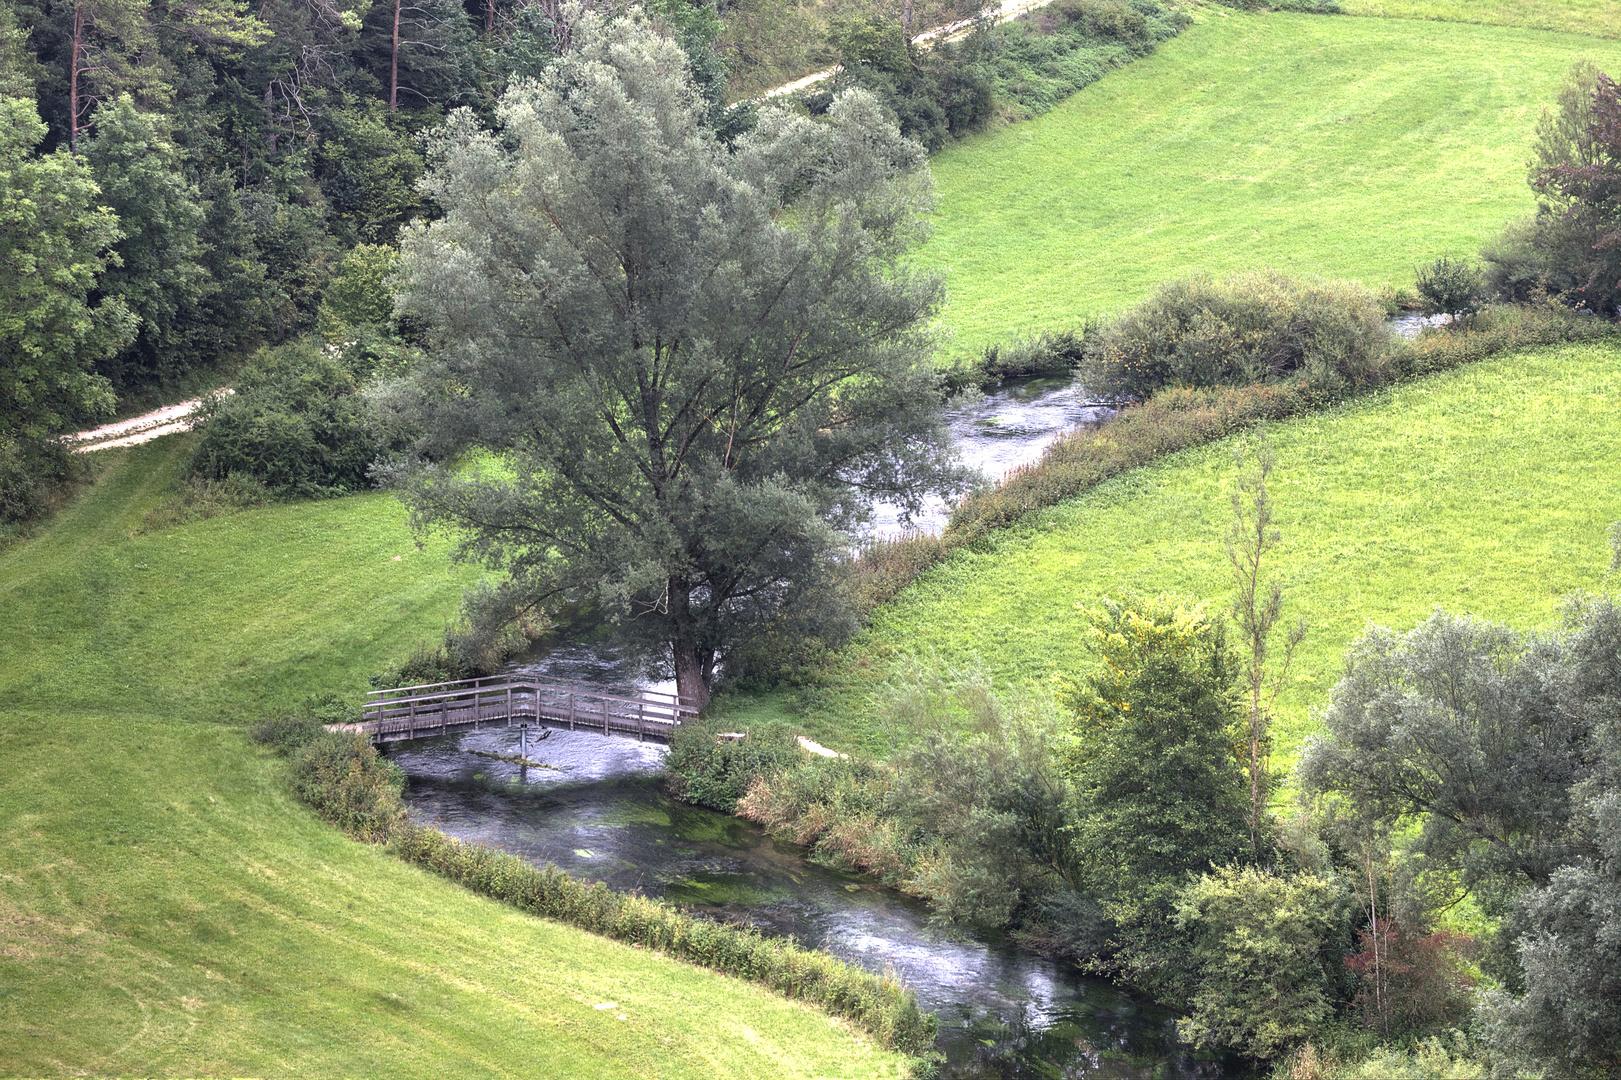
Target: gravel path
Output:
[(169, 420)]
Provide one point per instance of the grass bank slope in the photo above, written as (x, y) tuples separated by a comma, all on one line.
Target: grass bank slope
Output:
[(1486, 490), (1312, 144), (1595, 18), (167, 908)]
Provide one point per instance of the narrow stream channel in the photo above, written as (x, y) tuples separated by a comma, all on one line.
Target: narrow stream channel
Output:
[(599, 814)]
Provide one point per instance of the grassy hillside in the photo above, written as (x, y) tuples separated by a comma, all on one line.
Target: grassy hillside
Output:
[(1595, 18), (1487, 490), (1347, 147), (167, 908)]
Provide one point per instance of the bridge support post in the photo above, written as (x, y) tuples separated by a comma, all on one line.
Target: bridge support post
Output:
[(523, 740)]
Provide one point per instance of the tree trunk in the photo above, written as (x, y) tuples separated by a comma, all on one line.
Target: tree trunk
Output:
[(489, 18), (394, 62), (74, 68), (689, 675), (691, 685)]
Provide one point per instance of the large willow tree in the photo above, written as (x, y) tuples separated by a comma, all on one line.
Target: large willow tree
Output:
[(693, 365)]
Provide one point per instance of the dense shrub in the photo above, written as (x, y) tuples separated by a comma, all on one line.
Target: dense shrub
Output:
[(704, 769), (1263, 953), (342, 776), (1534, 257), (878, 1003), (200, 498), (1021, 68), (1202, 332), (297, 422), (1450, 286), (35, 474), (1050, 352)]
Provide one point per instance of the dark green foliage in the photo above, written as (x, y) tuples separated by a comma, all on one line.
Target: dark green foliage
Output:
[(1203, 332), (158, 275), (297, 423), (299, 255), (341, 775), (34, 473), (878, 1004), (368, 165), (1536, 256), (1051, 352), (1450, 286), (1159, 790), (704, 769)]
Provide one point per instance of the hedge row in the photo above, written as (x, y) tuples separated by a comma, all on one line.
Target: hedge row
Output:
[(1179, 419), (877, 1003)]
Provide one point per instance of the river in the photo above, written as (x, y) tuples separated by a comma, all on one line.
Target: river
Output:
[(599, 813)]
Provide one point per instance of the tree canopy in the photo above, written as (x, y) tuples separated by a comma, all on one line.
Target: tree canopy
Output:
[(696, 363)]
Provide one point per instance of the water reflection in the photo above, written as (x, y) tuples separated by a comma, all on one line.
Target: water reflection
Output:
[(597, 813)]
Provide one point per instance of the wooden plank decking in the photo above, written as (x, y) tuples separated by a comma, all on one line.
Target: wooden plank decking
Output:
[(419, 712)]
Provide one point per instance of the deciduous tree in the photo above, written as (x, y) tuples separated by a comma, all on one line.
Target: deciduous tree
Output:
[(696, 364), (54, 242)]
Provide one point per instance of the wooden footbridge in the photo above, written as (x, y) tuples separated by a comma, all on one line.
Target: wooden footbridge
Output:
[(420, 712)]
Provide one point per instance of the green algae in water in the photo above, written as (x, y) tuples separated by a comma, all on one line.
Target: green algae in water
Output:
[(721, 890)]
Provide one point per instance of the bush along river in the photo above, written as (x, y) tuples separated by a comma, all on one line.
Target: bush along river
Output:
[(597, 811)]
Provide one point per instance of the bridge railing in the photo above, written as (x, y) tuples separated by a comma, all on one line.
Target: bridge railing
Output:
[(412, 711)]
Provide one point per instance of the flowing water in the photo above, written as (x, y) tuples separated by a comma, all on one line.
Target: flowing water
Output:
[(598, 813), (1008, 427)]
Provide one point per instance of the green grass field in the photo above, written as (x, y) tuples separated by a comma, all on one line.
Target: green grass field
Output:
[(166, 907), (1313, 144), (1595, 18), (1487, 490)]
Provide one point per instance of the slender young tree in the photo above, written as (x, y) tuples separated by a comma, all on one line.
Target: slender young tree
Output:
[(1257, 607), (696, 365)]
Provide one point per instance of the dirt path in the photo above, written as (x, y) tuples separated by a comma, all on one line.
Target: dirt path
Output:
[(1008, 9), (169, 420)]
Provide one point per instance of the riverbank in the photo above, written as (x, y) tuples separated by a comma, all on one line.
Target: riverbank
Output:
[(167, 907), (1483, 489)]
